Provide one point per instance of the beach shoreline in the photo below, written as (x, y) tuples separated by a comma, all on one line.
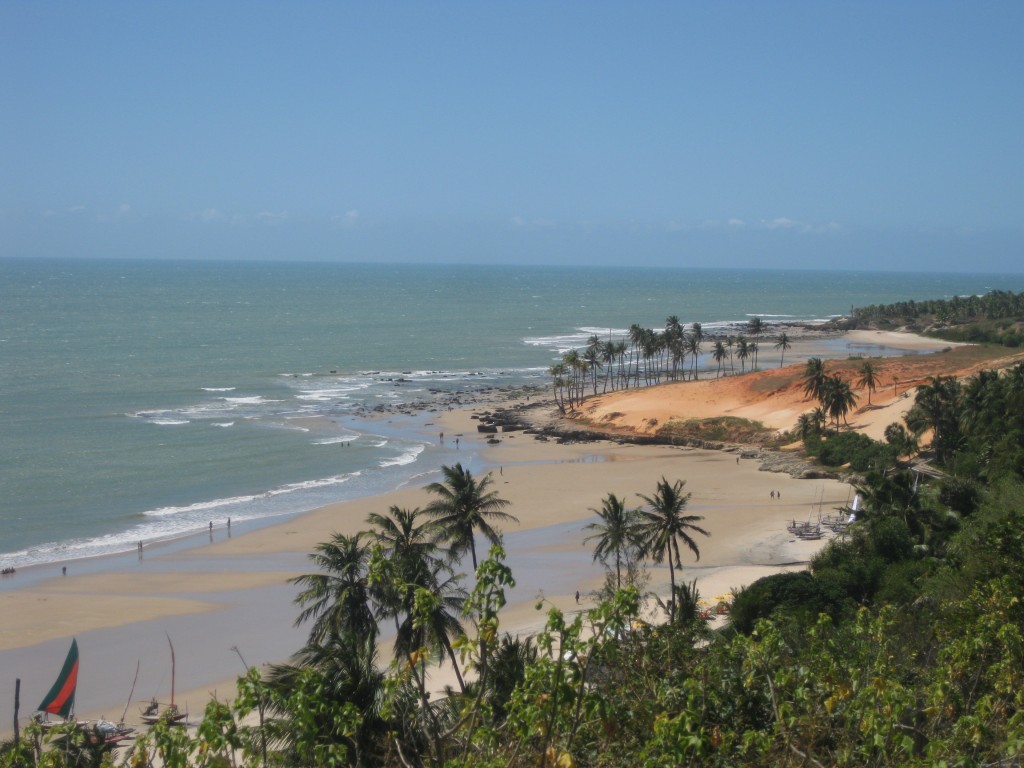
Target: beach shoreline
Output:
[(213, 597)]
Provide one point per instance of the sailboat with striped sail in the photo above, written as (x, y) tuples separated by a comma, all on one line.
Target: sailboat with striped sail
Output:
[(61, 698)]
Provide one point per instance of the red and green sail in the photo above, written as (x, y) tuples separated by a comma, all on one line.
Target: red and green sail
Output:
[(61, 698)]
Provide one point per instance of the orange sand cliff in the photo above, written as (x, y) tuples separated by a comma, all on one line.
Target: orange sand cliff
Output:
[(775, 396)]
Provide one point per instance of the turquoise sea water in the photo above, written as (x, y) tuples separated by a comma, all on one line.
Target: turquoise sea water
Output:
[(140, 400)]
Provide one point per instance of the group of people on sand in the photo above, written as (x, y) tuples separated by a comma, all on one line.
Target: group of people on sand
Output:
[(776, 495)]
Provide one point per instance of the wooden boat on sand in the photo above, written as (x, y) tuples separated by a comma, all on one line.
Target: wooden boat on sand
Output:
[(156, 713)]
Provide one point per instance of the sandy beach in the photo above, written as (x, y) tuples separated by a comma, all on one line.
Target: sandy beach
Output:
[(225, 595)]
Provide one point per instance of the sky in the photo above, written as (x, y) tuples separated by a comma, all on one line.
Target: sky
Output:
[(809, 135)]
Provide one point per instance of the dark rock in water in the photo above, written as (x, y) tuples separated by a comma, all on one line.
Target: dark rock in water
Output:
[(511, 427), (486, 428)]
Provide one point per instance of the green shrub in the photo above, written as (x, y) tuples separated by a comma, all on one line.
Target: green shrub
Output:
[(796, 594), (859, 451)]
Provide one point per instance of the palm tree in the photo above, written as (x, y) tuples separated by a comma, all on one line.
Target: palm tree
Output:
[(429, 620), (719, 354), (742, 352), (696, 340), (814, 378), (755, 327), (897, 436), (820, 418), (938, 405), (558, 383), (513, 656), (693, 347), (653, 343), (806, 426), (577, 367), (783, 343), (674, 337), (616, 534), (337, 598), (343, 674), (609, 350), (637, 334), (594, 354), (412, 545), (893, 494), (730, 342), (663, 526), (837, 398), (416, 567), (464, 507), (674, 348), (868, 378)]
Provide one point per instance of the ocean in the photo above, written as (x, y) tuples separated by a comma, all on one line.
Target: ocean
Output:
[(142, 400)]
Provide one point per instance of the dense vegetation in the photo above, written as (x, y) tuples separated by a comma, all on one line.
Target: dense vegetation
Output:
[(996, 317), (903, 644)]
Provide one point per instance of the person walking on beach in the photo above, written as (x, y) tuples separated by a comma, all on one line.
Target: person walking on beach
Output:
[(577, 597)]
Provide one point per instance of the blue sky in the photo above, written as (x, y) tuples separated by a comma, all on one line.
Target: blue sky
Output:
[(886, 135)]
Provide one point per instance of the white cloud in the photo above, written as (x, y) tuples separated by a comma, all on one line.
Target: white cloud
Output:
[(210, 214), (348, 219), (735, 223), (272, 218), (123, 210), (803, 227)]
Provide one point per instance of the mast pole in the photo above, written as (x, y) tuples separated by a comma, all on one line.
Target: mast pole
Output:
[(132, 692), (17, 704), (172, 668)]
